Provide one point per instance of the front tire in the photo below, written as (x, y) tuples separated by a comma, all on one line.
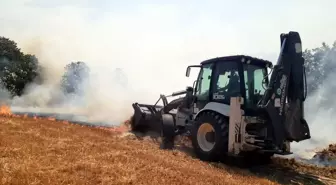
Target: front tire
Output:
[(210, 135), (167, 131)]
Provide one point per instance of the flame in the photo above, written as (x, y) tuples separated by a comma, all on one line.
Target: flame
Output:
[(5, 110), (51, 119)]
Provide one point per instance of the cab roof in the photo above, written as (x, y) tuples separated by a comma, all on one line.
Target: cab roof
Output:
[(254, 60)]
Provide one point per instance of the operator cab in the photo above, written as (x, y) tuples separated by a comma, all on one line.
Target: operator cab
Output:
[(232, 76)]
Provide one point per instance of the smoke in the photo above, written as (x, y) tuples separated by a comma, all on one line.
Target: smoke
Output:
[(4, 93), (131, 59), (137, 52), (320, 109), (103, 96), (133, 55)]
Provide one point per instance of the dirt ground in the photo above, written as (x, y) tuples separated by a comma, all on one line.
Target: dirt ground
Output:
[(42, 151)]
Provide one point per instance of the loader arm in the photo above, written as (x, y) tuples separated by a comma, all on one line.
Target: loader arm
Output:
[(285, 95)]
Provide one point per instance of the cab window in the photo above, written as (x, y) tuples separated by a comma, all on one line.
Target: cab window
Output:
[(226, 82), (255, 83)]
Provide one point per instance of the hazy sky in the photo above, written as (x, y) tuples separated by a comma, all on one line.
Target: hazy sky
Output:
[(157, 35)]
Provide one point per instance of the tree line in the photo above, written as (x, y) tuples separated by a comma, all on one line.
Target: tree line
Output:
[(17, 69)]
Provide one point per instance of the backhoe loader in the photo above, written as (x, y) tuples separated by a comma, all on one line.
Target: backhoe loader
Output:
[(236, 106)]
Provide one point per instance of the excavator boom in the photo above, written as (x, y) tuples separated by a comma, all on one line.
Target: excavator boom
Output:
[(286, 92)]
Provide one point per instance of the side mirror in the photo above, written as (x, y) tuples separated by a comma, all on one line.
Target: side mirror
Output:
[(188, 71)]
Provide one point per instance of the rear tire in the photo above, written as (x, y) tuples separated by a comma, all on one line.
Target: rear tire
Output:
[(214, 146)]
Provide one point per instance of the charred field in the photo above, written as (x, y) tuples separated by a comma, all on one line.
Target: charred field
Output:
[(46, 151)]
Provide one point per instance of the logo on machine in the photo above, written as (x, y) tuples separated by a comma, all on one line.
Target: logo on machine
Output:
[(217, 96), (278, 91), (282, 90)]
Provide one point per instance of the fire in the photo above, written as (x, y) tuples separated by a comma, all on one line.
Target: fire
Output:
[(5, 110), (51, 119)]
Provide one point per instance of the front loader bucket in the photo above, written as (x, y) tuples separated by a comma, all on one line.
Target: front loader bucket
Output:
[(146, 118)]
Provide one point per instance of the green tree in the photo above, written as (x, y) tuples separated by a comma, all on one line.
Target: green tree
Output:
[(9, 49), (17, 69)]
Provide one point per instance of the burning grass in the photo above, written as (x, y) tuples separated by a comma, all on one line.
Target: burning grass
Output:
[(42, 151), (328, 154)]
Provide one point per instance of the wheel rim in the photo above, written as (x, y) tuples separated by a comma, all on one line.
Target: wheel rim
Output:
[(202, 139)]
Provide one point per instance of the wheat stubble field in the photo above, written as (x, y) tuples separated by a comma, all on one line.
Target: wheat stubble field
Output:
[(44, 151)]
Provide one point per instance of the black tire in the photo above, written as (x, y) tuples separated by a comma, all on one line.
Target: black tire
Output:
[(167, 144), (167, 131), (220, 125)]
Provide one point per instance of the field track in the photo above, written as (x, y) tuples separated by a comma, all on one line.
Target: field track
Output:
[(44, 151)]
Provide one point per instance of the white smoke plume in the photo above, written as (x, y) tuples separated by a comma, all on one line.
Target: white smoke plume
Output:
[(320, 109), (139, 49)]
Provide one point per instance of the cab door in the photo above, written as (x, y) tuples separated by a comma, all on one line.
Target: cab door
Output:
[(203, 91), (226, 82)]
